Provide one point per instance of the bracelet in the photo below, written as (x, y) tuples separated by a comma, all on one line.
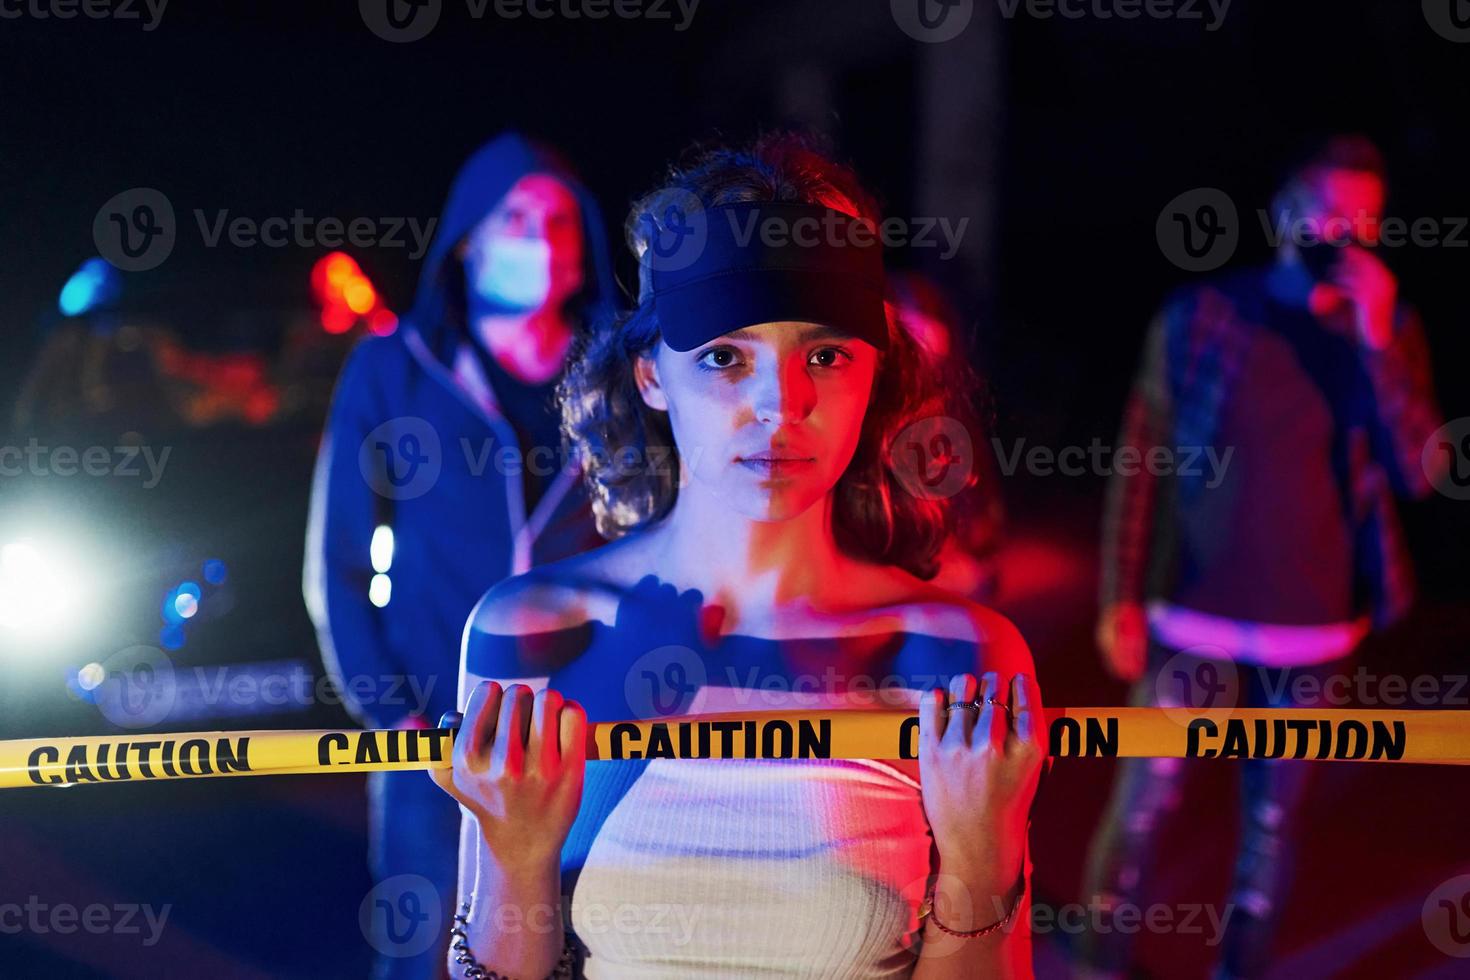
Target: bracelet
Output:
[(926, 908), (459, 933)]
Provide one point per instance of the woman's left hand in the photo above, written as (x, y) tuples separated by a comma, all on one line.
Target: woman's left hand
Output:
[(978, 774)]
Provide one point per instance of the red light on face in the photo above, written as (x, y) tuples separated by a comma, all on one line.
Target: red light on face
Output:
[(1354, 201)]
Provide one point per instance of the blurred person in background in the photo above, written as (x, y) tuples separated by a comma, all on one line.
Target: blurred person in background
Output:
[(1221, 590), (442, 471), (968, 563)]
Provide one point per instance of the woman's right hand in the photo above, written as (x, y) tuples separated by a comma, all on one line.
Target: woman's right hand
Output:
[(518, 764), (1122, 635)]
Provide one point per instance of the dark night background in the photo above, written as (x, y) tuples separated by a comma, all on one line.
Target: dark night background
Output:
[(1062, 140)]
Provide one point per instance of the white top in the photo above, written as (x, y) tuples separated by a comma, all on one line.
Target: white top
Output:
[(756, 868)]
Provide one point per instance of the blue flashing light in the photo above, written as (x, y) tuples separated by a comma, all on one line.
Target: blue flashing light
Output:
[(95, 283)]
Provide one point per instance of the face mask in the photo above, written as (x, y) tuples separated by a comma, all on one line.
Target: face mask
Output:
[(515, 273)]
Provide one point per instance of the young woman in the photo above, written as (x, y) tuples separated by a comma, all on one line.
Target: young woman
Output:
[(745, 435)]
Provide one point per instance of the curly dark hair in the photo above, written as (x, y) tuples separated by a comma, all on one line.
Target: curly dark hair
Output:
[(630, 462)]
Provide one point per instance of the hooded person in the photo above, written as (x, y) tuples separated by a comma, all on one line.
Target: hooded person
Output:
[(441, 471)]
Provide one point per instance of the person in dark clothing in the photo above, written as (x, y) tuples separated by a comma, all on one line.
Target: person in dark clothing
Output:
[(441, 472), (1244, 583)]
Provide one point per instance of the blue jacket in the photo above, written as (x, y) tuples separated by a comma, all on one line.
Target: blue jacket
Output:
[(408, 448)]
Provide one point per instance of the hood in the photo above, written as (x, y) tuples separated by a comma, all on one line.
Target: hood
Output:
[(480, 184)]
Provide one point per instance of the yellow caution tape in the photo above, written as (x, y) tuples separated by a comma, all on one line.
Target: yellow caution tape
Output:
[(1234, 733)]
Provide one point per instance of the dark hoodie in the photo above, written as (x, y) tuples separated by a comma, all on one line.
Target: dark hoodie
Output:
[(408, 447)]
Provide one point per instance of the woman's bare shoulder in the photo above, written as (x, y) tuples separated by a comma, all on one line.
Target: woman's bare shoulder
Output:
[(559, 595), (932, 611)]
